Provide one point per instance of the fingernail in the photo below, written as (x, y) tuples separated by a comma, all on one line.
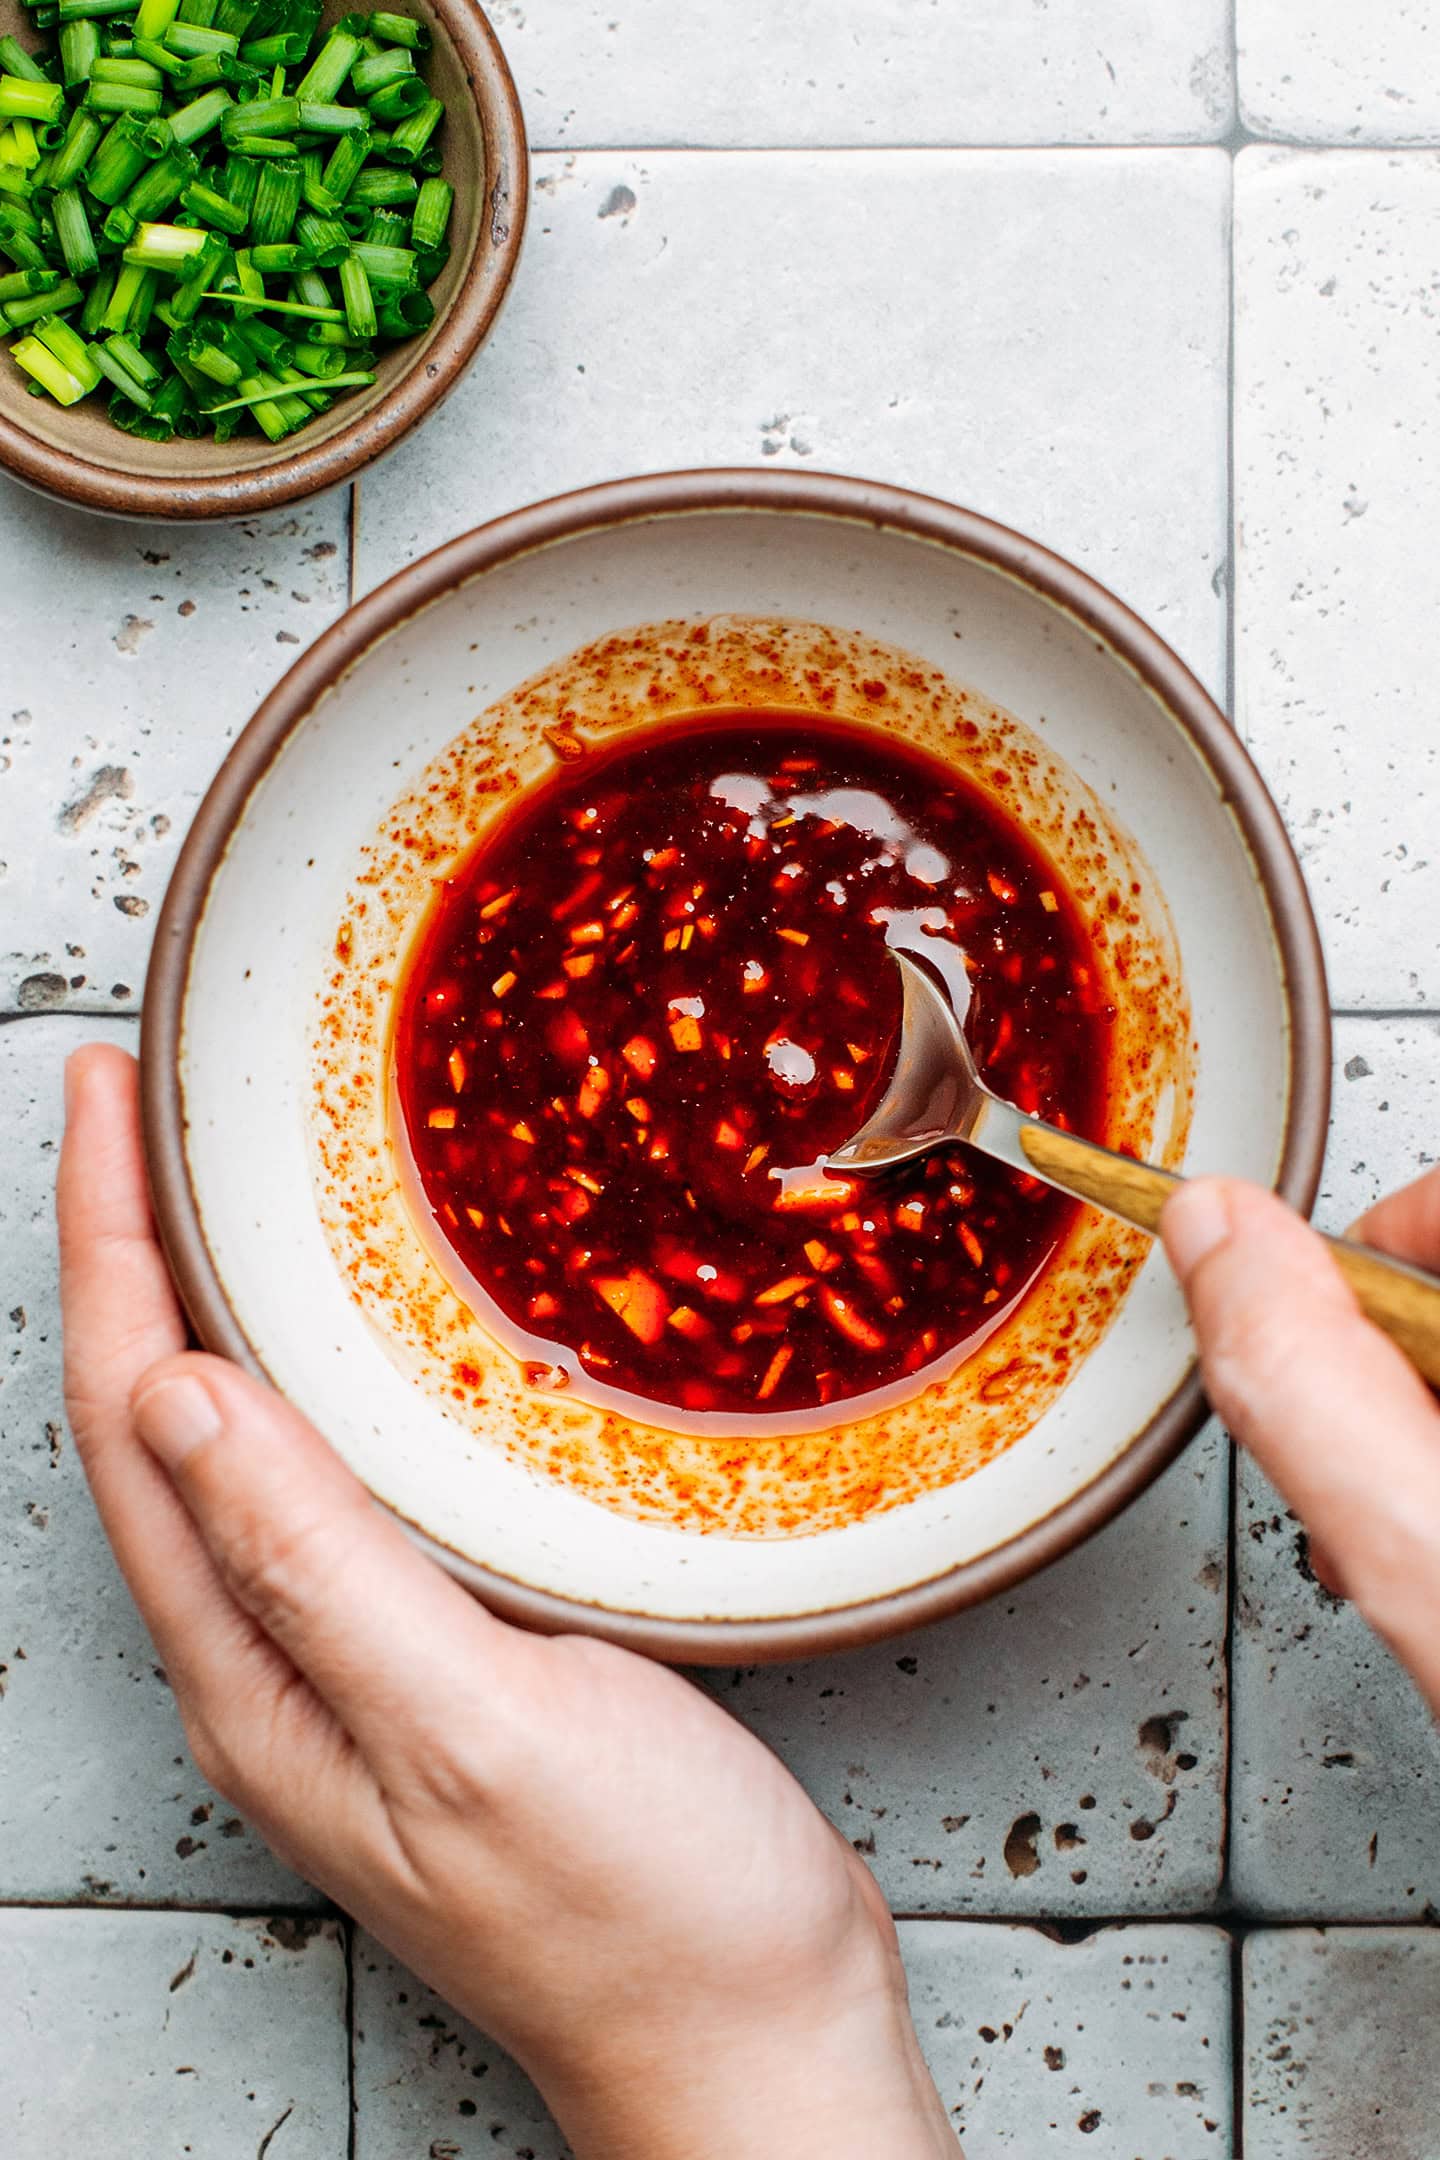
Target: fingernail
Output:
[(173, 1416), (1196, 1220), (70, 1080)]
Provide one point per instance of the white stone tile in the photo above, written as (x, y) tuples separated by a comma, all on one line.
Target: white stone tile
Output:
[(1336, 1759), (428, 2082), (98, 1796), (1119, 2044), (600, 73), (1042, 336), (1340, 2056), (1329, 72), (1337, 452), (133, 655), (1058, 1751), (172, 2033), (1036, 2046)]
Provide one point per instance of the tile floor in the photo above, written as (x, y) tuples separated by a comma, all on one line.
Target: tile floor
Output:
[(1160, 1824)]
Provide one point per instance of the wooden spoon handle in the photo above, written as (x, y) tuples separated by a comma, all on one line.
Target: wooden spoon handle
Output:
[(1401, 1300)]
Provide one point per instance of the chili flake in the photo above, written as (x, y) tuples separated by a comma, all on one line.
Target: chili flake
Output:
[(693, 1252)]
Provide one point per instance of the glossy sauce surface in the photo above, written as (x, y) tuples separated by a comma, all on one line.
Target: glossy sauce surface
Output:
[(658, 992)]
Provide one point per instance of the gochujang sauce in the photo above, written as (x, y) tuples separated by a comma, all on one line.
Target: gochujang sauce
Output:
[(658, 992)]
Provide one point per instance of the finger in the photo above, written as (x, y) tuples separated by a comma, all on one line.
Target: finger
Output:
[(237, 1692), (1333, 1413), (1406, 1223), (388, 1641), (120, 1316), (120, 1311), (1324, 1569)]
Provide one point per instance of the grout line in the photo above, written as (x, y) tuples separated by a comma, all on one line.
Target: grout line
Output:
[(276, 1909), (1068, 1931), (1233, 138), (352, 2126), (72, 1012), (1384, 1012), (1237, 2047)]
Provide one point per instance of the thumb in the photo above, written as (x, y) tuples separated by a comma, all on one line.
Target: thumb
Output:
[(1334, 1414)]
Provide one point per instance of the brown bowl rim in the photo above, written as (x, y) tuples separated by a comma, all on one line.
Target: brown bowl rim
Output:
[(564, 517), (304, 471)]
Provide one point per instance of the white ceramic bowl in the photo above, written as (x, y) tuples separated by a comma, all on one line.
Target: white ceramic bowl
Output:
[(251, 1188)]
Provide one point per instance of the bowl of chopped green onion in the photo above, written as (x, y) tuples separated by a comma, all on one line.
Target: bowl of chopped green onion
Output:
[(245, 245)]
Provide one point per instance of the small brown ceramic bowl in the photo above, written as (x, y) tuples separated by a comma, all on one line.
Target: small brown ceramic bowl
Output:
[(74, 454), (278, 1185)]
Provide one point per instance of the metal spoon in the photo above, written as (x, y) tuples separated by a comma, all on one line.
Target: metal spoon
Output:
[(936, 1097)]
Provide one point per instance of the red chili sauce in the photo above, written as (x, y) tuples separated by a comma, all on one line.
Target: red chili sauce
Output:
[(657, 993)]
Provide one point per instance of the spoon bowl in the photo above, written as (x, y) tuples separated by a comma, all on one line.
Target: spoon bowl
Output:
[(936, 1097)]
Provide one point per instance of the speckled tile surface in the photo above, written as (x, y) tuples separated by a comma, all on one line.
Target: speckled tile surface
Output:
[(602, 72), (1329, 72), (132, 656), (807, 237), (1340, 2055), (171, 2033), (1337, 1762), (1036, 2046), (1037, 360), (1058, 1751), (1337, 640)]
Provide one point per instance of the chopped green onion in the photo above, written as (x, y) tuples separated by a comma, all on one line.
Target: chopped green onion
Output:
[(213, 209), (38, 361), (386, 228), (385, 184), (165, 247), (192, 41), (58, 301), (263, 116), (405, 314), (24, 100), (277, 200), (75, 153), (14, 60), (357, 296), (375, 70), (400, 30), (326, 239), (161, 59), (72, 230), (432, 213), (69, 348), (400, 100), (309, 285), (25, 284), (325, 78), (110, 364), (213, 160), (275, 258), (387, 265), (360, 378), (79, 50), (118, 162), (154, 17), (138, 72), (284, 307), (105, 97)]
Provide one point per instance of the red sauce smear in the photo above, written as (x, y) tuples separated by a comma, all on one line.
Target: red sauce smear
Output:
[(654, 996)]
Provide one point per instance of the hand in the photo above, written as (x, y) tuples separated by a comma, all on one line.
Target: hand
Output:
[(578, 1849), (1334, 1414)]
